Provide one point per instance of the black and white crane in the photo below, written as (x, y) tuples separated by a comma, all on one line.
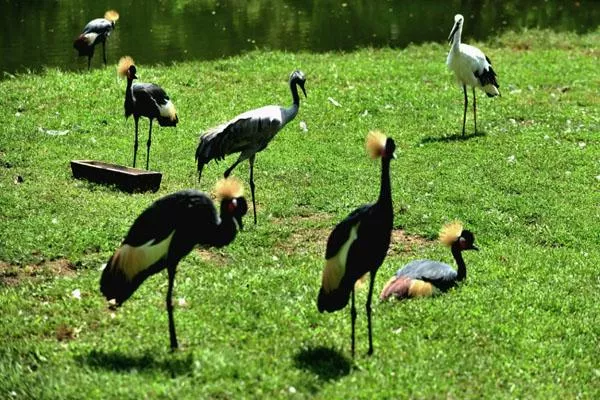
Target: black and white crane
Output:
[(165, 233), (427, 277), (358, 245), (248, 133), (145, 100), (471, 68), (96, 31)]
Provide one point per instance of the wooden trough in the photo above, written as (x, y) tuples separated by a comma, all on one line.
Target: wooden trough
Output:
[(125, 178)]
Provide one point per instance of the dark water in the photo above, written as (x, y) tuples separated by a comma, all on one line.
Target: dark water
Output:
[(39, 33)]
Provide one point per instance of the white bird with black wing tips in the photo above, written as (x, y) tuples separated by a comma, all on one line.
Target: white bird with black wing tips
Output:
[(471, 68), (248, 133)]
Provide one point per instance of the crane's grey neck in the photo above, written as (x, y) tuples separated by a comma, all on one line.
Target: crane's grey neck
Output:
[(385, 190), (290, 112), (460, 262), (226, 231)]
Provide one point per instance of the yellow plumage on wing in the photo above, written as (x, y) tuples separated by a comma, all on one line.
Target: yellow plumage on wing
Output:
[(229, 188), (375, 144), (111, 15), (124, 64), (451, 232)]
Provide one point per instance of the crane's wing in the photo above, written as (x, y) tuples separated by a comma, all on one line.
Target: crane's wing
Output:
[(100, 26), (248, 132), (427, 270), (341, 232)]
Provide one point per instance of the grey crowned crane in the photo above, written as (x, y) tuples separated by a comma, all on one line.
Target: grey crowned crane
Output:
[(96, 31), (248, 133), (165, 233), (471, 68), (426, 277), (145, 100), (358, 244)]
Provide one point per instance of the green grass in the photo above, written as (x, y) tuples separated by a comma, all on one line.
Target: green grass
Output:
[(525, 324)]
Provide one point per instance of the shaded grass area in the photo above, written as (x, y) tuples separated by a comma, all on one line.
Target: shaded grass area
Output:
[(525, 323)]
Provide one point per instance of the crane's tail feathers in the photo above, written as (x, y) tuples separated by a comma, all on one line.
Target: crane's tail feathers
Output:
[(168, 114), (488, 81), (111, 15), (123, 66), (375, 144), (403, 287), (450, 232), (211, 146)]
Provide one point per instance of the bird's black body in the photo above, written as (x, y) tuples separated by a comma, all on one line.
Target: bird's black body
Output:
[(358, 245), (150, 101), (94, 33), (162, 235), (248, 133)]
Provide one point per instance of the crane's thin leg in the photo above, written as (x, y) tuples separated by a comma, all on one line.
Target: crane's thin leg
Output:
[(235, 164), (474, 110), (148, 144), (104, 52), (135, 142), (172, 335), (89, 61), (251, 160), (465, 111), (353, 319), (369, 312)]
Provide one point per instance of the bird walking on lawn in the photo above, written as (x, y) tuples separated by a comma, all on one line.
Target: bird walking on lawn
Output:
[(96, 31), (471, 68), (145, 100), (165, 233), (359, 244), (248, 133), (426, 277)]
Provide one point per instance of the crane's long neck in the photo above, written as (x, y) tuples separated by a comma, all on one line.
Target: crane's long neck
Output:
[(290, 112), (226, 231), (129, 91), (385, 190), (456, 39), (460, 262)]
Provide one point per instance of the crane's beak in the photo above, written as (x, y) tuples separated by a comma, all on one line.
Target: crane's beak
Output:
[(394, 156), (451, 37), (473, 247), (302, 87)]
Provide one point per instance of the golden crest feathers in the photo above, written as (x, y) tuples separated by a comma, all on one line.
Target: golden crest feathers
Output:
[(123, 66), (375, 144), (451, 232), (111, 15), (229, 188)]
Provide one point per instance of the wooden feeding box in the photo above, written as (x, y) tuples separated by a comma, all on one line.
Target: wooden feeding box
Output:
[(125, 178)]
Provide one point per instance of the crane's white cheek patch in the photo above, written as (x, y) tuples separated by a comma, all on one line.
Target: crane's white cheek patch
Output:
[(132, 260), (335, 266), (491, 89)]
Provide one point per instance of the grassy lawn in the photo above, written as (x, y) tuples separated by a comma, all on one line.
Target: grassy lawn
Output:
[(525, 324)]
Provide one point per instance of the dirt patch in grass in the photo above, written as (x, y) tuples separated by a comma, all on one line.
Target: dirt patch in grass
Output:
[(405, 243), (212, 256), (12, 275)]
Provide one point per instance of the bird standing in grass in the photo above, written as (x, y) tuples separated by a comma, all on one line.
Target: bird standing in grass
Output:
[(96, 31), (248, 133), (426, 277), (471, 68), (165, 233), (359, 244), (145, 100)]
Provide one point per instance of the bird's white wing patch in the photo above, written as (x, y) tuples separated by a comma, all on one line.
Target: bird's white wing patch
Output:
[(167, 110), (335, 266), (134, 259), (90, 38)]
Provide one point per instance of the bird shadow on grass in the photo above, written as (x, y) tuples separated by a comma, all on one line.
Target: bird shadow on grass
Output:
[(117, 361), (327, 363), (455, 137)]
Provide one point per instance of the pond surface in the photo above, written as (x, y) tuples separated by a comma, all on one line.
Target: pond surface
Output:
[(37, 33)]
